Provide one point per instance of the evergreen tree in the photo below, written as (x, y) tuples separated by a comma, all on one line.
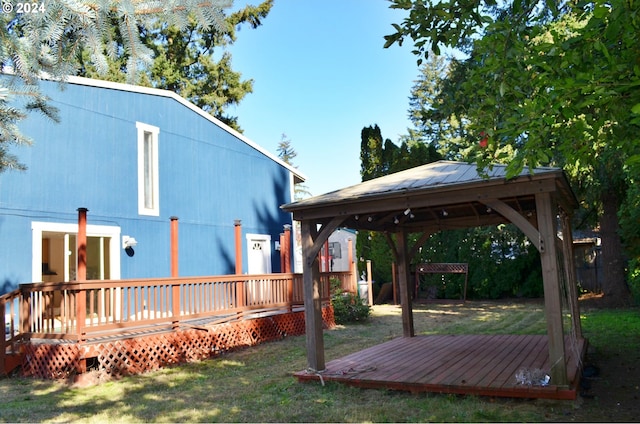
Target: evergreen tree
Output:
[(49, 43), (184, 61), (286, 152)]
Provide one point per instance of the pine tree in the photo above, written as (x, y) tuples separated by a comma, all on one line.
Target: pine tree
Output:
[(184, 61), (48, 43), (286, 152)]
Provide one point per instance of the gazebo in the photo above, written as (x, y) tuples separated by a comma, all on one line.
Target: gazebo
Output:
[(451, 195)]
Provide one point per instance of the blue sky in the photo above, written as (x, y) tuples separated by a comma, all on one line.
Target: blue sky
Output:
[(320, 75)]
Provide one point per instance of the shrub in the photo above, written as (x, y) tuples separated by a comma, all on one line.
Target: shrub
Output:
[(347, 307)]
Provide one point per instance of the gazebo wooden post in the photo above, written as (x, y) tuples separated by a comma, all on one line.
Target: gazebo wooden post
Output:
[(312, 298), (403, 283), (551, 282), (570, 272)]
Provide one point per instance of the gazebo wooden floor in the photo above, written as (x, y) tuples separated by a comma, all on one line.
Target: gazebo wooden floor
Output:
[(483, 365)]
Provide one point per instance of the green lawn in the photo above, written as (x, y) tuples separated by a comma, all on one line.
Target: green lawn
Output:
[(256, 385)]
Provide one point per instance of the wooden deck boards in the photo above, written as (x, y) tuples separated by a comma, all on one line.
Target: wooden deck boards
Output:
[(462, 364)]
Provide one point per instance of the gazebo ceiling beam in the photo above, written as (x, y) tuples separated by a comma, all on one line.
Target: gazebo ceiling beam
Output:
[(419, 199)]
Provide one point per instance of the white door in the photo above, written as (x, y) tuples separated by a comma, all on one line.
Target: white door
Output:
[(259, 253)]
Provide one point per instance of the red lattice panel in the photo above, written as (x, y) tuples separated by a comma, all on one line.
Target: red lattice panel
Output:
[(51, 361), (142, 354), (290, 324), (328, 318)]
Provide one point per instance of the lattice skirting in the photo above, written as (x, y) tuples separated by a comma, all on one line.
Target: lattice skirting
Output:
[(147, 353)]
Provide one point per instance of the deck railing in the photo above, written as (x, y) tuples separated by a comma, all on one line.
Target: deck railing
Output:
[(79, 311)]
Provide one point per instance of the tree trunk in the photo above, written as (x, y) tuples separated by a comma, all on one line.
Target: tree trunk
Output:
[(614, 285)]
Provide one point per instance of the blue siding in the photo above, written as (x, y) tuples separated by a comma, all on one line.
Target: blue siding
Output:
[(208, 178)]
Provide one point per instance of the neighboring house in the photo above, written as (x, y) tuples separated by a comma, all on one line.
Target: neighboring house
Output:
[(338, 245), (135, 157)]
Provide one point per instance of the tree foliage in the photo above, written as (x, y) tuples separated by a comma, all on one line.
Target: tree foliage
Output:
[(287, 153), (49, 42), (190, 60), (543, 83), (379, 157)]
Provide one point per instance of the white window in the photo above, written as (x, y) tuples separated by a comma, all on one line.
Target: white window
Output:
[(148, 189)]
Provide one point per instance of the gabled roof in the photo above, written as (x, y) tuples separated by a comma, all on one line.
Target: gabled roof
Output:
[(443, 194), (299, 177)]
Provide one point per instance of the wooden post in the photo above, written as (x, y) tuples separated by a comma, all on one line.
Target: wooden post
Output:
[(369, 284), (403, 283), (81, 313), (354, 282), (238, 242), (570, 272), (174, 246), (282, 257), (175, 305), (312, 300), (394, 281), (550, 274), (239, 301), (287, 248), (3, 340), (81, 272)]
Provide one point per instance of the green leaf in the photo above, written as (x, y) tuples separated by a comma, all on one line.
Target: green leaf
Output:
[(636, 109)]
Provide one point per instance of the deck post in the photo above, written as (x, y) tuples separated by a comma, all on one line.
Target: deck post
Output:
[(312, 298), (287, 248), (403, 283), (81, 272), (551, 282), (3, 340), (237, 225), (353, 284), (81, 313), (174, 246)]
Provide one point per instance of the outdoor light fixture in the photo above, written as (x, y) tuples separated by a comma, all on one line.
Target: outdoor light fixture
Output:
[(445, 213), (396, 220), (408, 211), (370, 219), (128, 243)]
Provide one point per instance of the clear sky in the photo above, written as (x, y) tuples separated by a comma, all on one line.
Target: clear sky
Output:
[(320, 75)]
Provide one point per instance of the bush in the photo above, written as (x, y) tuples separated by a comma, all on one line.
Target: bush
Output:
[(347, 307)]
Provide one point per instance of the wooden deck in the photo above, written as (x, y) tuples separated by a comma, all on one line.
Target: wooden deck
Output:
[(483, 365)]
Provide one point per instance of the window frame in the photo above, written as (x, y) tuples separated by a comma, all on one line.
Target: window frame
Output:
[(153, 132)]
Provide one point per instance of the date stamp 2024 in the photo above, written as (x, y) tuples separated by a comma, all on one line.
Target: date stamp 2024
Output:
[(23, 7)]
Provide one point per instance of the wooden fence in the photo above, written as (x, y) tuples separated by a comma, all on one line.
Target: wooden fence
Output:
[(82, 311)]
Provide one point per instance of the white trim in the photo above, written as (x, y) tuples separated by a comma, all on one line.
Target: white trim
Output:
[(37, 228), (169, 94), (142, 208)]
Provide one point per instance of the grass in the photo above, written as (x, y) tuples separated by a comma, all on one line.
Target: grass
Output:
[(256, 385)]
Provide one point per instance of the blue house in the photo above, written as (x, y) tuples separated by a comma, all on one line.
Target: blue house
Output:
[(135, 157)]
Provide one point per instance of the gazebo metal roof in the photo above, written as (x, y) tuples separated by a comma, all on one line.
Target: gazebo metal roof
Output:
[(435, 196)]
